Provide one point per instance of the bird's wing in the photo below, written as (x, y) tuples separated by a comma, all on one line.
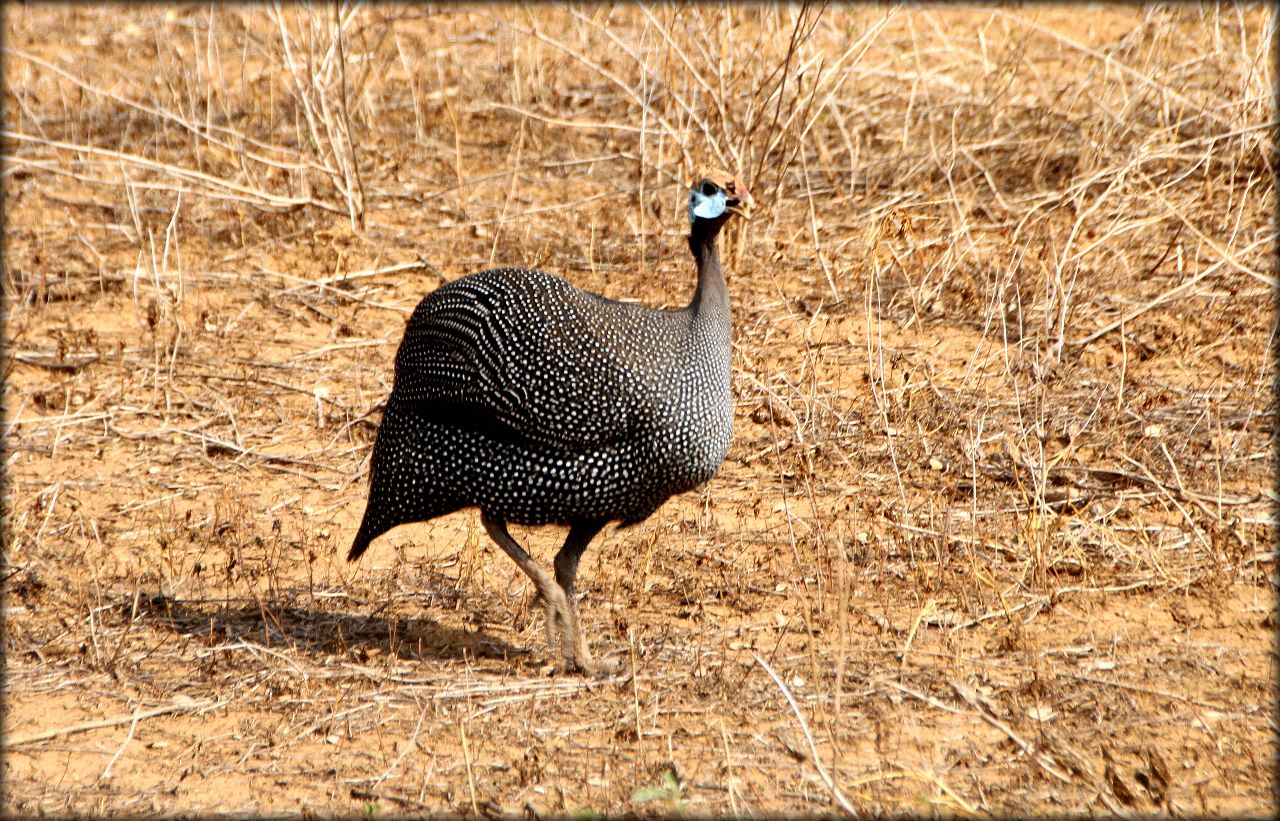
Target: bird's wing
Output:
[(481, 355)]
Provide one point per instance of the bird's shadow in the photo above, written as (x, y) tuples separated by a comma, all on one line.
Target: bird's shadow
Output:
[(284, 623)]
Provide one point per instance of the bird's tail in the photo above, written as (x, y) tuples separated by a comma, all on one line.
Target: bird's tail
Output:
[(360, 544), (369, 529), (400, 490), (366, 533)]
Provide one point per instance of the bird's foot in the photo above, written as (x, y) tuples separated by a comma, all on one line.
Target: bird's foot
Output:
[(602, 668), (589, 667), (577, 653), (564, 633)]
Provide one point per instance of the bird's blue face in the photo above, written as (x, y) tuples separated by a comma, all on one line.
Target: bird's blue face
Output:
[(707, 202)]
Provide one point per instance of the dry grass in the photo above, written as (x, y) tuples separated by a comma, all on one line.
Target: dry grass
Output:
[(996, 531)]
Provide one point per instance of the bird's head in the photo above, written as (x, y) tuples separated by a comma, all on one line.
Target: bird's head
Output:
[(714, 195)]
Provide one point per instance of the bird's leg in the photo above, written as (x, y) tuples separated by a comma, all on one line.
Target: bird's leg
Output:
[(549, 590), (574, 643), (551, 623)]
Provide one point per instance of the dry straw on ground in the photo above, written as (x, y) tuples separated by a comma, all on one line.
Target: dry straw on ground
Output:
[(995, 533)]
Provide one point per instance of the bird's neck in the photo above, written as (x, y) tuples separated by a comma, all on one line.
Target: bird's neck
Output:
[(712, 293)]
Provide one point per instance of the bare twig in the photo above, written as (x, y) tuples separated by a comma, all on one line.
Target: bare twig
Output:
[(43, 735), (813, 750)]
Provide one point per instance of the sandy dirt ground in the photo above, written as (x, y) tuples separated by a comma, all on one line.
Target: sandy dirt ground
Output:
[(996, 530)]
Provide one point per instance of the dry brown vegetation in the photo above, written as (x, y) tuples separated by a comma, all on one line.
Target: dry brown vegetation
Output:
[(995, 533)]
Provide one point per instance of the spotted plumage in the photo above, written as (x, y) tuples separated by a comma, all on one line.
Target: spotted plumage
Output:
[(541, 403)]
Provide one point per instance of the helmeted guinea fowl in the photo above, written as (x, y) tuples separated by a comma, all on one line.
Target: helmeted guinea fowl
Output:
[(540, 403)]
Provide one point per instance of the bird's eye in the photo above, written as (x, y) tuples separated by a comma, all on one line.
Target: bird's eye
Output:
[(708, 189)]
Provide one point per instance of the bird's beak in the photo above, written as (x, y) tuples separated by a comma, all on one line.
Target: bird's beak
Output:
[(740, 203)]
